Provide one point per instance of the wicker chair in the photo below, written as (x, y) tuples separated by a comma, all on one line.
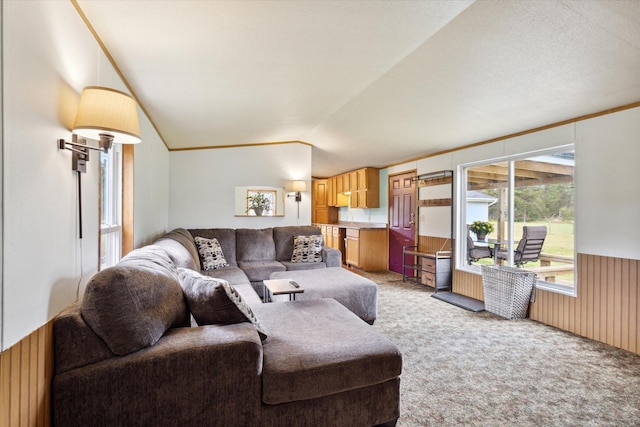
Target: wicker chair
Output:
[(529, 247)]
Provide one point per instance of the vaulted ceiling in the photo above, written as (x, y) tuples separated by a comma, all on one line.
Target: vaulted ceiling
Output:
[(369, 83)]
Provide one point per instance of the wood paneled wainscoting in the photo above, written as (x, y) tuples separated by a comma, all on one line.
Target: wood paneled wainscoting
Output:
[(26, 370), (430, 244), (606, 307)]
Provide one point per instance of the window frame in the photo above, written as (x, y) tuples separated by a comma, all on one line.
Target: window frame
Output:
[(110, 242), (461, 212)]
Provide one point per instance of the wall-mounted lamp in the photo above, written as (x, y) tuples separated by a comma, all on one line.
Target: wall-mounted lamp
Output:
[(298, 187), (106, 115)]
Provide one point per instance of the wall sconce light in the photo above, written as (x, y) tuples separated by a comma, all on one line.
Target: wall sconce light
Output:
[(298, 187), (106, 115)]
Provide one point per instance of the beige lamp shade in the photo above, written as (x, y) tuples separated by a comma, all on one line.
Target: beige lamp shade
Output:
[(299, 186), (107, 111)]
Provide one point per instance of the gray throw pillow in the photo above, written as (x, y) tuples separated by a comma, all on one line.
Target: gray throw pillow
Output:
[(212, 300), (211, 255), (307, 249)]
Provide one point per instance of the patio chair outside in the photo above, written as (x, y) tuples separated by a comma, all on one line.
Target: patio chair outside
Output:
[(529, 247), (475, 253)]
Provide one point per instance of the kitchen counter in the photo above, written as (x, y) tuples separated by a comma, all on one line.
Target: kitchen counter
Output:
[(364, 245), (356, 225)]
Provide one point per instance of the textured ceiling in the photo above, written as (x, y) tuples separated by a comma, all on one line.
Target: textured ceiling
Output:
[(369, 83)]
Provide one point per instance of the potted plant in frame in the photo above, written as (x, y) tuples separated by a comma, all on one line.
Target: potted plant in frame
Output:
[(481, 229), (259, 203)]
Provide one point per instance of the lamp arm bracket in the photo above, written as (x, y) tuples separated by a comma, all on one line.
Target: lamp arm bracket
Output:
[(80, 155), (63, 145), (83, 153)]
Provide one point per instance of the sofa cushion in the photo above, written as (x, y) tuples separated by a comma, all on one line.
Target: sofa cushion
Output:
[(132, 304), (212, 301), (181, 248), (255, 245), (233, 275), (318, 348), (307, 249), (295, 266), (211, 255), (225, 236), (260, 270), (248, 294), (283, 239)]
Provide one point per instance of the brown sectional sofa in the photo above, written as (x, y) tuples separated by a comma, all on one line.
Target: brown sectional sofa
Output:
[(127, 355)]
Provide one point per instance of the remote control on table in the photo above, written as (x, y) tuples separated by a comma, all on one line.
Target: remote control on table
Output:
[(294, 283)]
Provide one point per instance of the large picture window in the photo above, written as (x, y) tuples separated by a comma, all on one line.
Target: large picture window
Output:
[(111, 206), (526, 203)]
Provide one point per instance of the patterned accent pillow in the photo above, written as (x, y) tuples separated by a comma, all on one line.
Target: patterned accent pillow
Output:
[(211, 254), (213, 300), (307, 249)]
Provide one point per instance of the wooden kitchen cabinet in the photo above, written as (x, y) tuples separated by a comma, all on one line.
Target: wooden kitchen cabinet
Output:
[(353, 181), (339, 188), (365, 199), (332, 194), (335, 196), (366, 248), (322, 212), (354, 199), (338, 238), (324, 232), (366, 193), (363, 184), (346, 186), (328, 240), (333, 237), (367, 178), (352, 247)]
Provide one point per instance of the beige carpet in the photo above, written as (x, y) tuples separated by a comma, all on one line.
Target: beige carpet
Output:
[(477, 369)]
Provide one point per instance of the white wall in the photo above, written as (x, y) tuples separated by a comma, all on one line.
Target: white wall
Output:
[(1, 178), (150, 187), (608, 185), (435, 220), (202, 184), (48, 57), (607, 177)]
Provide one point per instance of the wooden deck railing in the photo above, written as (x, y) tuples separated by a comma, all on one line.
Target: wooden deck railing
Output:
[(549, 272)]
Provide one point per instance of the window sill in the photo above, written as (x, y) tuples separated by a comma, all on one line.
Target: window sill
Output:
[(554, 287), (540, 284)]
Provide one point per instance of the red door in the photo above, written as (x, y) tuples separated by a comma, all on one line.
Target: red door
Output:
[(402, 218)]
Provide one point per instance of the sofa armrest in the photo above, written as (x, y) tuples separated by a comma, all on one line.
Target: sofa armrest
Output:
[(191, 376), (331, 256)]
